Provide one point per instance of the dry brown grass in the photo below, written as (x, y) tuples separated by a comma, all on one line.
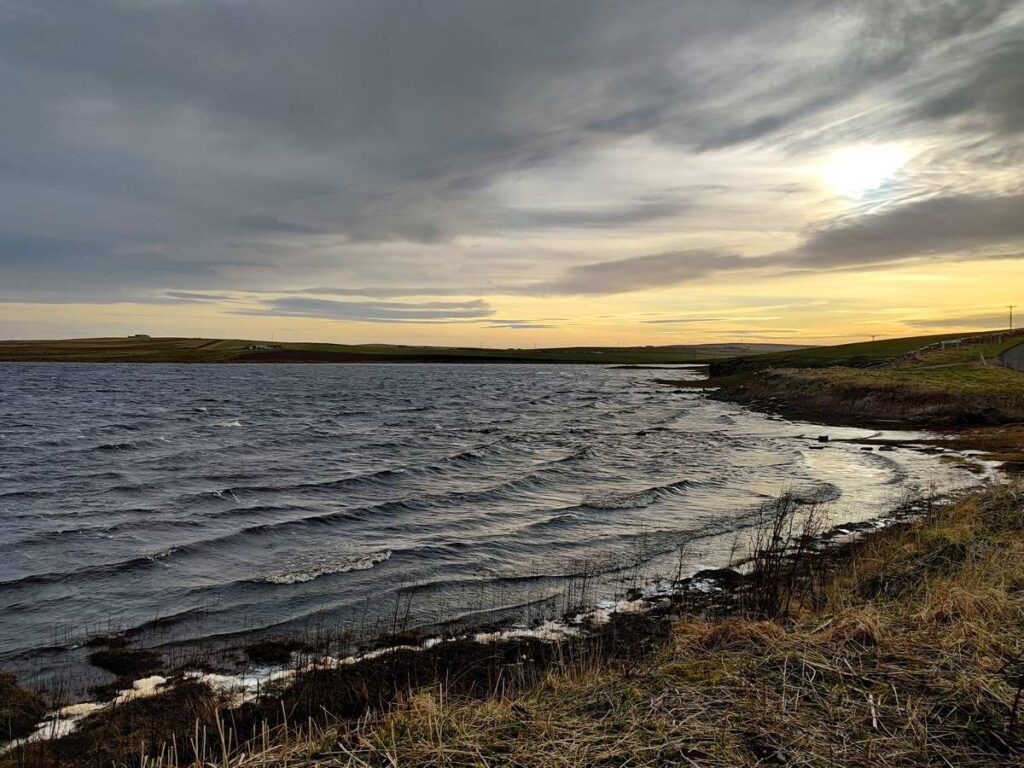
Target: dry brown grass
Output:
[(911, 652)]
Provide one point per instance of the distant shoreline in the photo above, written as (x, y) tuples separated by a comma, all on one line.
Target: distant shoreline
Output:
[(179, 350)]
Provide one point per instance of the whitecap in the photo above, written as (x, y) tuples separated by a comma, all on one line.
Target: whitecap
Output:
[(623, 500), (326, 567)]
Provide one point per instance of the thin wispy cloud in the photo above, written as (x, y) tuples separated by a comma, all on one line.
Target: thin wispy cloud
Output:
[(373, 311)]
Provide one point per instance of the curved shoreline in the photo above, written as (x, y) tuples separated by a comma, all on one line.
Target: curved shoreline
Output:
[(641, 617)]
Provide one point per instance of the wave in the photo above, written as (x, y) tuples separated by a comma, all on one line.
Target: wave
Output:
[(125, 446), (899, 472), (386, 476), (34, 494), (819, 493), (92, 571), (325, 568), (414, 504), (611, 501), (106, 531), (639, 499), (558, 521)]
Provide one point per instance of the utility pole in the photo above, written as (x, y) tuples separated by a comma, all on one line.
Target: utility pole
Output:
[(873, 337), (1010, 307)]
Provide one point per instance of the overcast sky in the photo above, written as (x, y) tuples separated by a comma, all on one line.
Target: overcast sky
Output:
[(510, 173)]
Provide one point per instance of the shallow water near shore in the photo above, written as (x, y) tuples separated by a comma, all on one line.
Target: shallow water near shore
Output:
[(184, 503)]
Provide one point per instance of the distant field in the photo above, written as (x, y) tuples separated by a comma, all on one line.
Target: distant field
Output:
[(859, 355), (873, 354), (892, 381), (186, 350)]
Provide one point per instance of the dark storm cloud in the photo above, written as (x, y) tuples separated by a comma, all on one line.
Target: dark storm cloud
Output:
[(369, 311), (183, 144)]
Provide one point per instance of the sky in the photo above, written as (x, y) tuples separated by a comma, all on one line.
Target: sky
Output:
[(486, 172)]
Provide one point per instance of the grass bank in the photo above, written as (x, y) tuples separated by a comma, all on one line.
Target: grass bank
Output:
[(905, 651), (904, 647), (937, 385), (959, 396)]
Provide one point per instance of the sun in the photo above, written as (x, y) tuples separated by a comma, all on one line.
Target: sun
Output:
[(855, 171)]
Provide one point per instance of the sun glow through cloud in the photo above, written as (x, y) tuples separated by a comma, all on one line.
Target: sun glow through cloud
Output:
[(857, 170)]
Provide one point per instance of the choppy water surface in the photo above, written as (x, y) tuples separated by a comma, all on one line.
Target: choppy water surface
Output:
[(192, 501)]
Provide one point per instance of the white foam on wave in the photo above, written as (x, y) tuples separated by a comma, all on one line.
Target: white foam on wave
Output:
[(326, 567), (235, 423), (623, 500), (162, 554), (246, 687)]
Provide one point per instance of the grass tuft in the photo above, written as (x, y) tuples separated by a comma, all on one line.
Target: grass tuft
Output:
[(903, 648)]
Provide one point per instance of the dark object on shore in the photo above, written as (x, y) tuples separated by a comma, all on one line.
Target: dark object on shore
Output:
[(822, 438), (725, 578), (20, 710), (272, 651), (126, 662)]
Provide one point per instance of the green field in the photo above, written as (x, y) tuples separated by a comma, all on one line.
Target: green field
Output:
[(198, 350), (858, 355), (894, 381)]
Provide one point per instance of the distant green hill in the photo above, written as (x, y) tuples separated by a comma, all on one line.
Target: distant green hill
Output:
[(858, 355), (197, 350), (922, 381)]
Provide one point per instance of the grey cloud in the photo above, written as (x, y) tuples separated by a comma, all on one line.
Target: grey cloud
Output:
[(635, 212), (190, 296), (641, 272), (951, 228), (369, 311), (956, 225), (183, 143), (992, 86)]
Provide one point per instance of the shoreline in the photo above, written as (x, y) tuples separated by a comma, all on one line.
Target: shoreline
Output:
[(631, 626), (477, 667), (992, 432), (378, 678)]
